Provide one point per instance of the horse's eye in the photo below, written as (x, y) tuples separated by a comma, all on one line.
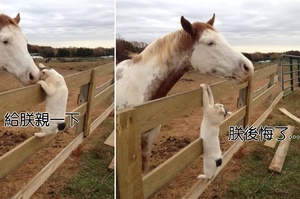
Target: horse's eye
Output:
[(210, 43), (5, 42)]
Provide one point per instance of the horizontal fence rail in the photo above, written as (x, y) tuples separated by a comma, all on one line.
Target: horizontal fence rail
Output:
[(131, 122)]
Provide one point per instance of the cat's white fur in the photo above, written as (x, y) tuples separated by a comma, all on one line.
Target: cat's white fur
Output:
[(213, 115), (56, 89)]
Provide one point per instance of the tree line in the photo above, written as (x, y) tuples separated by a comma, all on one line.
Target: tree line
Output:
[(48, 51), (123, 47)]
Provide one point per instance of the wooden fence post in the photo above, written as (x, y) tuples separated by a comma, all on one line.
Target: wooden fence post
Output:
[(242, 100), (271, 83), (245, 98), (82, 98), (129, 166), (90, 100), (250, 91)]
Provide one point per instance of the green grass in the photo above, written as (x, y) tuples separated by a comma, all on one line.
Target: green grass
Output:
[(93, 180), (255, 180)]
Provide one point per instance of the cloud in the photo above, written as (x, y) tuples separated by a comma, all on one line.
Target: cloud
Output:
[(65, 23), (243, 23)]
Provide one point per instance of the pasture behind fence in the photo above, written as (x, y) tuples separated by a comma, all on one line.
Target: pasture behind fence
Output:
[(131, 122), (289, 73), (23, 98)]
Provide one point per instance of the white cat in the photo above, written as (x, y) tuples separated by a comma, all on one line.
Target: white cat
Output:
[(213, 115), (56, 89)]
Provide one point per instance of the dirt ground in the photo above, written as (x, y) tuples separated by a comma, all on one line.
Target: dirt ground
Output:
[(11, 137), (179, 132)]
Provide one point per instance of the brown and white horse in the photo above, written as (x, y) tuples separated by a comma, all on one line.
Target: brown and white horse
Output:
[(152, 73), (14, 56)]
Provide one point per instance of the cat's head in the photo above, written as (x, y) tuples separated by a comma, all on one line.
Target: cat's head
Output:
[(221, 111), (45, 72)]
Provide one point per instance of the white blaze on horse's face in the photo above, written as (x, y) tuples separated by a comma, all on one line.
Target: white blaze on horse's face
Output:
[(14, 56), (212, 54)]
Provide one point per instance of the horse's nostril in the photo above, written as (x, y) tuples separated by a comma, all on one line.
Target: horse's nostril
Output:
[(31, 77), (245, 68)]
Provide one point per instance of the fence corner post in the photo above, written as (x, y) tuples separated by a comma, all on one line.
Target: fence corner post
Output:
[(128, 153)]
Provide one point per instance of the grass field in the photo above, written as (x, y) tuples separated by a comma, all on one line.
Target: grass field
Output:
[(93, 180)]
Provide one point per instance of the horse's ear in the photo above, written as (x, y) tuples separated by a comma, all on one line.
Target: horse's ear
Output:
[(17, 19), (211, 21), (187, 26)]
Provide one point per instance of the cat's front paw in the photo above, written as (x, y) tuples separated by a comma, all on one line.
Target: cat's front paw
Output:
[(40, 82), (203, 86)]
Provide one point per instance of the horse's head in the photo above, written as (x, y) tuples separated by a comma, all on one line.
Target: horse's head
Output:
[(14, 55), (212, 55)]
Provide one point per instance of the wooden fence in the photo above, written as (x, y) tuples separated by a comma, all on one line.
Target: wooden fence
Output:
[(289, 73), (20, 99), (131, 122)]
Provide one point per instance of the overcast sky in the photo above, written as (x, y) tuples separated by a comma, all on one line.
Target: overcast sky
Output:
[(248, 25), (64, 23)]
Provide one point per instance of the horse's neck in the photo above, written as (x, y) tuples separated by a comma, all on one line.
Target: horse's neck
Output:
[(164, 80)]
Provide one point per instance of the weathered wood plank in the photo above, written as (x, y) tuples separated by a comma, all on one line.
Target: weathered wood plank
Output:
[(110, 140), (272, 143), (111, 166), (279, 157), (290, 115), (28, 190), (129, 168)]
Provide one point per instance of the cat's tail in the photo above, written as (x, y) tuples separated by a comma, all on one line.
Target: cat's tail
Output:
[(61, 126)]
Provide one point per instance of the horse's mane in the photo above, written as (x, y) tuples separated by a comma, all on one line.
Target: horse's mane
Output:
[(6, 20), (171, 44)]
